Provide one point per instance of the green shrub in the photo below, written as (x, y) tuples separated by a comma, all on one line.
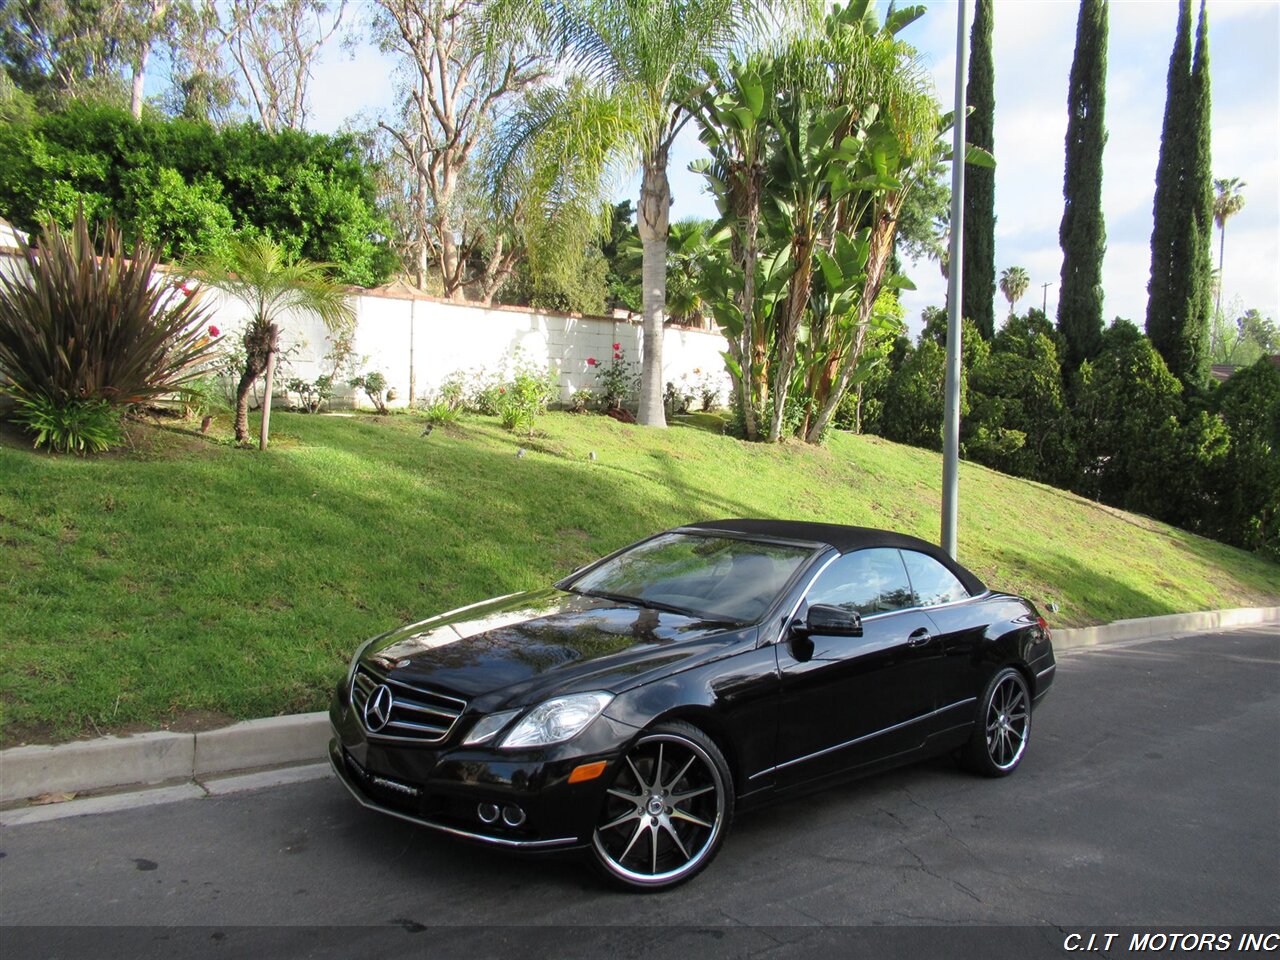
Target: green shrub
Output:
[(201, 396), (453, 391), (312, 394), (442, 411), (68, 426), (678, 397), (77, 327), (525, 398), (1249, 500), (581, 400), (190, 183), (374, 386), (616, 380)]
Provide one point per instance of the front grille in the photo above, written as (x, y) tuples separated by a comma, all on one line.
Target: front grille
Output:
[(416, 714)]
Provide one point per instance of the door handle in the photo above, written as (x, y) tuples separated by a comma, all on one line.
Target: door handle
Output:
[(919, 637)]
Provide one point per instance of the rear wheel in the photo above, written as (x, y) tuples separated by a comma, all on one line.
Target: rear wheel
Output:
[(667, 811), (1004, 724)]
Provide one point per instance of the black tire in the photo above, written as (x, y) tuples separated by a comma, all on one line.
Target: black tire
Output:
[(667, 809), (1002, 727)]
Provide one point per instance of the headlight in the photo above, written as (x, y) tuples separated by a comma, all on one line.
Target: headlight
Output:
[(557, 720), (488, 726)]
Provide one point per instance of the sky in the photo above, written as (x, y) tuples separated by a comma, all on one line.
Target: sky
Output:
[(1033, 44)]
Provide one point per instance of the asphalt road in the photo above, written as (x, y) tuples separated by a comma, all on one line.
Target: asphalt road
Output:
[(1149, 795)]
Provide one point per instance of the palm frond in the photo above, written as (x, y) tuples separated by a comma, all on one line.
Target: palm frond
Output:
[(260, 274)]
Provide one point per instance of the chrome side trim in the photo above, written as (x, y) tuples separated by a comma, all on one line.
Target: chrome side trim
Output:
[(865, 736), (1047, 670), (430, 824)]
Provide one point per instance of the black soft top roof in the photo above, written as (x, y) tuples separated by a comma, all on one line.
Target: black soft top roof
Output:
[(842, 538)]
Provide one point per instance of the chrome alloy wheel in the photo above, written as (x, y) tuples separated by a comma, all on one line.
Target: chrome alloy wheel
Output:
[(665, 812), (1008, 721)]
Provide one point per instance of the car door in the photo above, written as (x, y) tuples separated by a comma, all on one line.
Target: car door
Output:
[(848, 701), (961, 626)]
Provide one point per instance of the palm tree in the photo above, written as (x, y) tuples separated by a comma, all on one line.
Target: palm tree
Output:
[(1013, 284), (637, 64), (1227, 202), (260, 274)]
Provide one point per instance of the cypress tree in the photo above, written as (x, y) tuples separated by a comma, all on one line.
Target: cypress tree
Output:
[(1083, 233), (977, 302), (1180, 297), (1200, 307)]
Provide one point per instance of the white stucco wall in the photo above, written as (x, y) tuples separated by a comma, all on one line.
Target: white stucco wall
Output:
[(431, 339), (434, 339)]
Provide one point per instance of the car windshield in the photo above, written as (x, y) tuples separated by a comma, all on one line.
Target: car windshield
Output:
[(713, 578)]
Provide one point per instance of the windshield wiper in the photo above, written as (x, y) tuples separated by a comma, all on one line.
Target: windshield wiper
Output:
[(653, 605)]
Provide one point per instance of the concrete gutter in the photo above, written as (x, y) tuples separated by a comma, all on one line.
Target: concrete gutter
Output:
[(173, 759)]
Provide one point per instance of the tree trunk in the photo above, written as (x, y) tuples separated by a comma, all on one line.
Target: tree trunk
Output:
[(273, 347), (251, 372), (796, 302), (749, 256), (653, 222), (1222, 252), (139, 82), (877, 262)]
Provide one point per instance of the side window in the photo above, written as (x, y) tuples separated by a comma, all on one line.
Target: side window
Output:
[(865, 582), (933, 583)]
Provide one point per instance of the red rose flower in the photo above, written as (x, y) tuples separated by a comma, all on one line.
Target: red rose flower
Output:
[(214, 331), (617, 346), (591, 361), (617, 356)]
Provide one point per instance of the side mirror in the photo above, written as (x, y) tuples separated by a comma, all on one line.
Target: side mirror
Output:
[(831, 621)]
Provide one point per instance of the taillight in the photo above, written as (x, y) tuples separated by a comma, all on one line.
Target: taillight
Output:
[(1043, 625)]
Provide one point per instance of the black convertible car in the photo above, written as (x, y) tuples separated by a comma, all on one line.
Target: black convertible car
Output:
[(632, 707)]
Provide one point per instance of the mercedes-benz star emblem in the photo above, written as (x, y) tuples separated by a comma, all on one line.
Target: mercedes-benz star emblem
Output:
[(378, 710)]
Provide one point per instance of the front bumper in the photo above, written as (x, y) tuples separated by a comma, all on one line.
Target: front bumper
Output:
[(442, 787), (345, 774)]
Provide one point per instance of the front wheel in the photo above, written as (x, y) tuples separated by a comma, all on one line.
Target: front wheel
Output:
[(667, 811), (1000, 736)]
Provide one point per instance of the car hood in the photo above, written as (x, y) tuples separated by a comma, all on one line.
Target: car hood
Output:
[(515, 650)]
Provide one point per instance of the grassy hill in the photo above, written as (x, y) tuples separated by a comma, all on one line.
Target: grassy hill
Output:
[(186, 582)]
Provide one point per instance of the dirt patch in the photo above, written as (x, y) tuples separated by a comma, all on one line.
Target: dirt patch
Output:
[(47, 734)]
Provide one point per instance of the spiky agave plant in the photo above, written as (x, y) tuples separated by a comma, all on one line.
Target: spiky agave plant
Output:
[(81, 328)]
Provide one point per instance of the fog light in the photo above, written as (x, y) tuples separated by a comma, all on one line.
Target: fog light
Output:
[(487, 812), (512, 815)]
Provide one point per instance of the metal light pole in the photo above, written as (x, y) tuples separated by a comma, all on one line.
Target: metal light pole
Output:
[(951, 422)]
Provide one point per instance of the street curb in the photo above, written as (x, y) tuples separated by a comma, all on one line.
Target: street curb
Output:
[(153, 758), (1147, 627), (150, 758)]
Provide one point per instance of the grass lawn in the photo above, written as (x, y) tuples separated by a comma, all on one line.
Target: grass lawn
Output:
[(185, 582)]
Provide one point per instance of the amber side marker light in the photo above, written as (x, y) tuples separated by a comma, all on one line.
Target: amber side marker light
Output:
[(587, 771)]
